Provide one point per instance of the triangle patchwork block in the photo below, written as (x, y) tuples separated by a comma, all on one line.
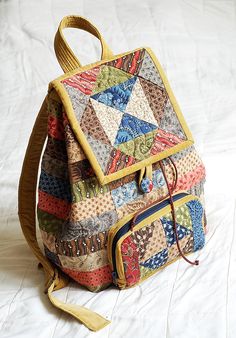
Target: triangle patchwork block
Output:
[(108, 77), (124, 112), (138, 105), (117, 96), (182, 215), (109, 119)]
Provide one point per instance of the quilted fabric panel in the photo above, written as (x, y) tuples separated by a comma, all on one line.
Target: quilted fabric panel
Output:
[(147, 249), (75, 209), (125, 113)]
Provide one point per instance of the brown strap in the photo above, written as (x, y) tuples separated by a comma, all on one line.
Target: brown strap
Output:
[(66, 58)]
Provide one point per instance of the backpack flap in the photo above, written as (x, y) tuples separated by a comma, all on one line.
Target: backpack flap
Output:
[(123, 113)]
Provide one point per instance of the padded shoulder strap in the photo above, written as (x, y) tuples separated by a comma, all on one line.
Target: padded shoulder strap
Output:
[(26, 210), (27, 188)]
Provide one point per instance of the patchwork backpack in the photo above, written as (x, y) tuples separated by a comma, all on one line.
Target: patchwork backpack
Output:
[(120, 191)]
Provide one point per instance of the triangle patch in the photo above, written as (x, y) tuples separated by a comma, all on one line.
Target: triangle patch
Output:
[(118, 160), (84, 81), (164, 140), (109, 119), (101, 151), (170, 122), (138, 105), (156, 97), (78, 99), (169, 231), (108, 77), (149, 71), (157, 260), (140, 147), (131, 127), (91, 125), (117, 96), (130, 63)]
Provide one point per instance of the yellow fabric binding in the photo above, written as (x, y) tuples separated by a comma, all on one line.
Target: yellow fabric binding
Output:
[(149, 172), (66, 58), (121, 281), (26, 211), (141, 175), (104, 179)]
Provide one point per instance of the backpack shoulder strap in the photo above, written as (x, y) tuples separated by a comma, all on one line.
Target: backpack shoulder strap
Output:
[(55, 280)]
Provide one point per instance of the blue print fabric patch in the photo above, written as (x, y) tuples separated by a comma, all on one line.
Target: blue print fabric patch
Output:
[(132, 127), (157, 260), (117, 96), (169, 231), (196, 213), (125, 194)]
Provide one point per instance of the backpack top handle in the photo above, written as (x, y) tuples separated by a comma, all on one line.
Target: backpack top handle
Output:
[(66, 58)]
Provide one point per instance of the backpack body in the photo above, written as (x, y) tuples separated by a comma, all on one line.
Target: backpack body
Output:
[(117, 107)]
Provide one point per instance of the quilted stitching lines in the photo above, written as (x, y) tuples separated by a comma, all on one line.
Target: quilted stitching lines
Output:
[(154, 245), (116, 96), (124, 112)]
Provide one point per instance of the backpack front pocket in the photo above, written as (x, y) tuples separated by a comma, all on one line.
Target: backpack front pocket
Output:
[(136, 251)]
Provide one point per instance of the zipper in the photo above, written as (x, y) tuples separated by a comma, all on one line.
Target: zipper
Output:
[(127, 226)]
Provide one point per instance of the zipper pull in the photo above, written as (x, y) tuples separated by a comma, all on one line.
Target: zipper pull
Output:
[(114, 277)]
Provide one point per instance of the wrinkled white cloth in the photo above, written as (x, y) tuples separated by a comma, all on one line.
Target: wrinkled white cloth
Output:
[(195, 43)]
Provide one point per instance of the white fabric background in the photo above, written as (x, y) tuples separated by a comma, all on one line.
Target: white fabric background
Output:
[(195, 42)]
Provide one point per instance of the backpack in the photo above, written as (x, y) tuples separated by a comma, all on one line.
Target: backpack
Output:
[(120, 191)]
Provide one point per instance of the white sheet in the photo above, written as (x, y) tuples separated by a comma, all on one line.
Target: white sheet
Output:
[(195, 42)]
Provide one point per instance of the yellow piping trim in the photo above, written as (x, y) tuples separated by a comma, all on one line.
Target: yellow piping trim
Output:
[(113, 230), (171, 95), (104, 179), (120, 267)]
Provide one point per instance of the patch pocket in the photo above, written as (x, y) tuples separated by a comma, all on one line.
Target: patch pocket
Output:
[(136, 251)]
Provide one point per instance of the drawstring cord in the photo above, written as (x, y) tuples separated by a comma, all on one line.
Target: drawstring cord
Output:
[(196, 262), (176, 174)]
